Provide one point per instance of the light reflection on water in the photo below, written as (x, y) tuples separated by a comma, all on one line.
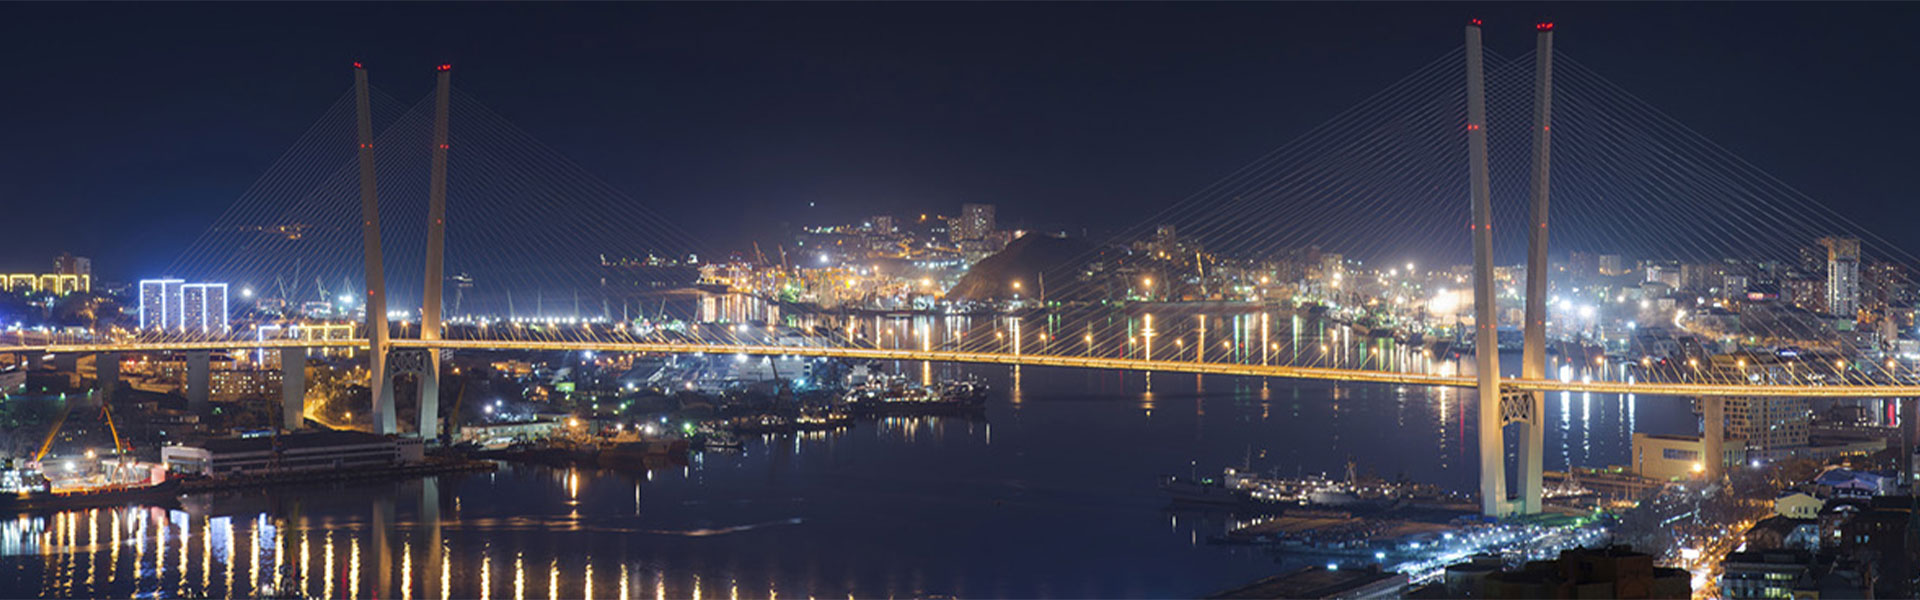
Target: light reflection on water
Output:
[(1051, 494)]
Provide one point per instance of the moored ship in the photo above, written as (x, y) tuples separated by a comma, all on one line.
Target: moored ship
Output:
[(896, 395)]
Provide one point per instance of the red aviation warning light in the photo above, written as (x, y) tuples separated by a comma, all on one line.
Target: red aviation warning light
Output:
[(446, 67), (1547, 26), (1474, 22), (356, 65)]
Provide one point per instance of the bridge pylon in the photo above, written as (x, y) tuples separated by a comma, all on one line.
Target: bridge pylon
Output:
[(1493, 478), (1534, 354), (1498, 409), (385, 362), (376, 304), (435, 264)]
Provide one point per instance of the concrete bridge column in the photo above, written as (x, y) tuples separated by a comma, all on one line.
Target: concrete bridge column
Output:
[(106, 369), (1713, 436), (430, 398), (1909, 424), (199, 381), (293, 388), (1532, 456)]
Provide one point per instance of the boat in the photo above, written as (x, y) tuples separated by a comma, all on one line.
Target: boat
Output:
[(1200, 491), (164, 492), (821, 420), (894, 395), (716, 440), (637, 452), (970, 389)]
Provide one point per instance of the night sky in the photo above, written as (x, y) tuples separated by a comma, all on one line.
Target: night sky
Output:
[(131, 127)]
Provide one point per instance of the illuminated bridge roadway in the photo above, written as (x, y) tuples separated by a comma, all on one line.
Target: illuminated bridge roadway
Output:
[(1690, 389)]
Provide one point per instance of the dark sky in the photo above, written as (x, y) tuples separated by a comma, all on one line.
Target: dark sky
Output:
[(130, 127)]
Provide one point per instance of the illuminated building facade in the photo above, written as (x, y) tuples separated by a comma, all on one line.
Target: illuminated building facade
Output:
[(175, 305), (71, 274), (203, 307), (154, 309), (52, 283), (1843, 275)]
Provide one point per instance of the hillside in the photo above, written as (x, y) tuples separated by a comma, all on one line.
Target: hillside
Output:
[(1023, 260)]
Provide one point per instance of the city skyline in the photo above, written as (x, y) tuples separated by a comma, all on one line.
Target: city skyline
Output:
[(942, 168), (1581, 306)]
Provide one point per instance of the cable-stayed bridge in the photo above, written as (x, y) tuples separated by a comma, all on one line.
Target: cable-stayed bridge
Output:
[(447, 191)]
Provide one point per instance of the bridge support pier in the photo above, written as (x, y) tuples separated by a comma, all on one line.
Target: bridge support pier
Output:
[(1533, 442), (1909, 425), (1713, 437), (419, 363), (199, 381), (293, 388), (430, 397), (106, 374)]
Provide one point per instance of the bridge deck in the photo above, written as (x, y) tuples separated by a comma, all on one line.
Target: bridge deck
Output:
[(1048, 360)]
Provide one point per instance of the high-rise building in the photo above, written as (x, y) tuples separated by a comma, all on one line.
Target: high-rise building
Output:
[(68, 264), (1769, 423), (175, 305), (976, 222), (882, 224), (155, 310), (1804, 292), (1843, 275), (1610, 265), (1665, 273), (1583, 265), (203, 307)]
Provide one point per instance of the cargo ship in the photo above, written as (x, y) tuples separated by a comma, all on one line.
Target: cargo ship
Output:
[(26, 490)]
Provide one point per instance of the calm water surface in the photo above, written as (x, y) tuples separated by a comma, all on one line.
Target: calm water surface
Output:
[(1051, 494)]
